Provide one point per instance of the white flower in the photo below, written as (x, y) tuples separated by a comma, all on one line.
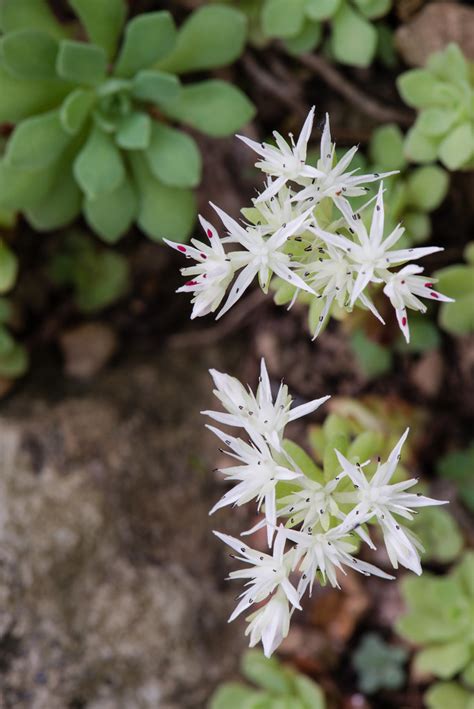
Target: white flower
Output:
[(403, 288), (333, 180), (377, 498), (210, 276), (270, 623), (284, 162), (312, 504), (266, 574), (263, 256), (257, 477), (258, 413), (327, 552), (373, 253), (279, 210)]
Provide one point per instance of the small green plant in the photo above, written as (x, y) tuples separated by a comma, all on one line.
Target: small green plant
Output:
[(379, 665), (277, 687), (443, 93), (458, 466), (440, 619), (94, 120), (353, 38), (457, 318), (439, 534), (97, 276)]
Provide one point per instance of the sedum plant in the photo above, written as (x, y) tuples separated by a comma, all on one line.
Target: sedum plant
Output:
[(379, 665), (304, 229), (443, 93), (457, 317), (94, 121), (440, 620), (314, 519), (277, 687)]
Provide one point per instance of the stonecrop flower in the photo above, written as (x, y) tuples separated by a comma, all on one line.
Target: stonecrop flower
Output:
[(304, 230), (310, 525)]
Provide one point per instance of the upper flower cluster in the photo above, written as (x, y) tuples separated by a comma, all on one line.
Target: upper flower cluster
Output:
[(313, 528), (303, 229)]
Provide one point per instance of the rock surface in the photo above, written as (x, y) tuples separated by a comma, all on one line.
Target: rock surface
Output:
[(111, 584)]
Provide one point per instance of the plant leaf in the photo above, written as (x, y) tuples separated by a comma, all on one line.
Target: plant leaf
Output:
[(173, 157), (103, 21), (307, 40), (321, 9), (111, 215), (353, 39), (155, 86), (8, 267), (232, 695), (444, 695), (265, 672), (445, 660), (61, 205), (81, 63), (76, 109), (20, 189), (457, 148), (419, 147), (15, 363), (20, 99), (134, 132), (427, 187), (283, 19), (37, 142), (25, 14), (29, 54), (99, 167), (148, 38), (212, 36), (213, 107)]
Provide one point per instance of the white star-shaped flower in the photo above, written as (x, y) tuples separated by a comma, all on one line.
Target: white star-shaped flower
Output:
[(285, 162), (403, 288), (377, 498), (270, 624), (313, 504), (258, 414), (210, 276), (279, 210), (256, 478)]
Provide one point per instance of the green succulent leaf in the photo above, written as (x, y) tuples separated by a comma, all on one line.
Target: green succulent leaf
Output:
[(61, 205), (24, 14), (81, 63), (173, 157), (212, 36), (420, 147), (448, 694), (8, 268), (373, 9), (213, 107), (457, 148), (283, 19), (321, 9), (98, 167), (307, 40), (101, 283), (444, 661), (20, 99), (29, 54), (233, 695), (111, 214), (379, 665), (303, 461), (76, 109), (163, 211), (264, 672), (311, 695), (458, 466), (418, 87), (439, 534), (37, 142), (21, 189), (373, 359), (134, 131), (353, 39), (386, 147), (103, 20), (450, 64), (428, 187), (435, 121), (155, 86), (148, 38)]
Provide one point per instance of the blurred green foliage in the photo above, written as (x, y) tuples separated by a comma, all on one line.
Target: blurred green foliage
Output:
[(440, 619), (457, 282), (379, 665), (458, 466), (278, 687), (439, 533), (13, 356), (443, 94), (94, 120)]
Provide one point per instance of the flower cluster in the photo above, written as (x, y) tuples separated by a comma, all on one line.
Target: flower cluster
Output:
[(313, 526), (303, 229)]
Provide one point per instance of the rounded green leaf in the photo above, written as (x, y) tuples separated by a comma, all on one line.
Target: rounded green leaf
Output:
[(265, 672), (212, 36), (456, 281), (99, 167), (155, 86), (428, 187), (20, 189), (450, 64), (20, 99), (213, 107), (111, 215), (307, 40), (148, 38), (76, 109), (417, 226), (60, 207), (281, 18), (419, 147), (24, 14), (37, 142), (445, 660), (81, 63), (372, 358), (373, 9), (232, 695), (8, 268), (103, 20), (436, 121), (418, 88), (101, 282), (353, 39), (163, 211), (458, 147), (386, 147), (447, 695), (173, 157), (458, 318), (29, 54), (134, 131), (321, 9)]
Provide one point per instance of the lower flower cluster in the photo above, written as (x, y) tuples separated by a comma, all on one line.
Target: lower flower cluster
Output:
[(314, 523)]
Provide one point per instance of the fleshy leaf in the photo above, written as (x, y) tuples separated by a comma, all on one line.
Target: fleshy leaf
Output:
[(81, 63), (60, 207), (37, 142), (103, 21), (418, 87), (76, 109), (212, 36), (213, 107), (307, 40), (457, 148), (281, 18), (148, 38), (173, 157), (23, 14), (353, 39), (155, 86), (428, 187), (265, 672), (445, 660), (321, 9), (14, 363), (386, 147), (112, 214), (134, 131), (29, 54), (20, 189), (447, 694), (233, 695), (419, 147), (20, 99), (99, 167)]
